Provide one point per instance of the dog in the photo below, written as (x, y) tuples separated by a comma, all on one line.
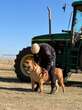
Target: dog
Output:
[(41, 76)]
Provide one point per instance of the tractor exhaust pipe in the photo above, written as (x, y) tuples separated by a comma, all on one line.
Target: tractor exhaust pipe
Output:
[(49, 18)]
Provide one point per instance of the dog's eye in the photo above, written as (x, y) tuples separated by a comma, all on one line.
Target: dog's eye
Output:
[(27, 62)]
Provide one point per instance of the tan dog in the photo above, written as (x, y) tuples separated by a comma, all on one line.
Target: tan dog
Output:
[(40, 75)]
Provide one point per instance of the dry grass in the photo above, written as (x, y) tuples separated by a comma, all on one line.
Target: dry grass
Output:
[(18, 96)]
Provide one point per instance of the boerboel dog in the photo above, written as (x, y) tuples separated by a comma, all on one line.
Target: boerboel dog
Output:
[(40, 75)]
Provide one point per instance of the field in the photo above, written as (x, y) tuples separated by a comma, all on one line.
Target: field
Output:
[(15, 95)]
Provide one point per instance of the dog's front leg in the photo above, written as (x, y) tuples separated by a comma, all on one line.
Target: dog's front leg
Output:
[(33, 83), (41, 86)]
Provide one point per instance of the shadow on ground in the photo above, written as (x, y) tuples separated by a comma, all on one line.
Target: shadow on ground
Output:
[(16, 89), (8, 79), (15, 80), (73, 83)]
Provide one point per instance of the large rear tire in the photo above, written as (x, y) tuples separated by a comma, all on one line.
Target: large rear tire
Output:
[(24, 54), (80, 61)]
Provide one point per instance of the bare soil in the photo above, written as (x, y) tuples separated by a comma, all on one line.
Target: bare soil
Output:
[(15, 95)]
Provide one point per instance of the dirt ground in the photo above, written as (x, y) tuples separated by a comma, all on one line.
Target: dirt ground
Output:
[(15, 95)]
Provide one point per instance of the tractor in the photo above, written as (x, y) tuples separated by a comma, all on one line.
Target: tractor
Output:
[(67, 44)]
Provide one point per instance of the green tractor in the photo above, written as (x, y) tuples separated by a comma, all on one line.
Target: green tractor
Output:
[(68, 46)]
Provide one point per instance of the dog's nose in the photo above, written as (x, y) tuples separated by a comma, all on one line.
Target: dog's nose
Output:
[(28, 67)]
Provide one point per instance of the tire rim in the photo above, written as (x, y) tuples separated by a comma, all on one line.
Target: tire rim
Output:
[(22, 64)]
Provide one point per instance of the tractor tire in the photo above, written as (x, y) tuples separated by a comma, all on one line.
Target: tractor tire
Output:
[(24, 54), (80, 60), (66, 74)]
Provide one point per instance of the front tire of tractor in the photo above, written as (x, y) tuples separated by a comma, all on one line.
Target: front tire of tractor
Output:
[(24, 54), (66, 75)]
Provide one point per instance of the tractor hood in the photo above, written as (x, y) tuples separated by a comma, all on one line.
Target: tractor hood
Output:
[(53, 37), (77, 3)]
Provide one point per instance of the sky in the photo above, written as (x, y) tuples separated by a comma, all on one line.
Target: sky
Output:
[(20, 20)]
